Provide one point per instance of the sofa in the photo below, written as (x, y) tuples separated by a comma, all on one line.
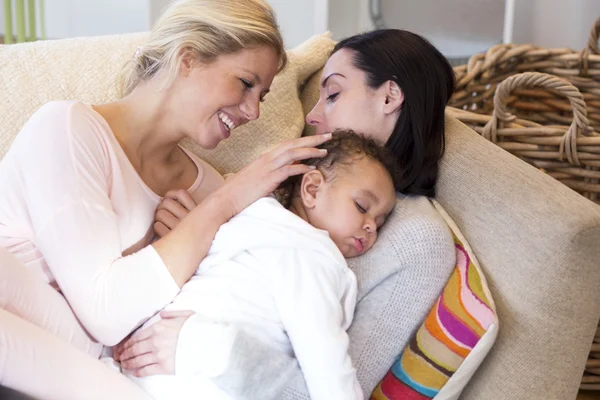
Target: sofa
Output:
[(537, 242)]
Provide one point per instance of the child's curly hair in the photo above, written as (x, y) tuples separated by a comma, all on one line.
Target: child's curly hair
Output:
[(344, 148)]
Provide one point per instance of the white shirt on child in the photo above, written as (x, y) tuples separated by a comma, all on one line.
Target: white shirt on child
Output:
[(277, 277)]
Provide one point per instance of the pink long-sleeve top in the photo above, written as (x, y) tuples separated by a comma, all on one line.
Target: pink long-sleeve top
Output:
[(75, 212)]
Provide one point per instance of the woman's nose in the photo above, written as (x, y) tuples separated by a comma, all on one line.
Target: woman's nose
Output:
[(251, 108), (315, 116)]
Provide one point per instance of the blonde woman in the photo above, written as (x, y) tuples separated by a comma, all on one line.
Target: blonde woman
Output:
[(81, 184)]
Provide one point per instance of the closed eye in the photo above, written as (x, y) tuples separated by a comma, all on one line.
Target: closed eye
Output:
[(247, 84), (333, 96), (360, 208)]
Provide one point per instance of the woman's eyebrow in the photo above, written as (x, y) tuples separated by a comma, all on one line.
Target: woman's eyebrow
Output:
[(326, 79)]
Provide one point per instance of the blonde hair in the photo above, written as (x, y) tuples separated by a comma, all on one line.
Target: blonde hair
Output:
[(208, 28)]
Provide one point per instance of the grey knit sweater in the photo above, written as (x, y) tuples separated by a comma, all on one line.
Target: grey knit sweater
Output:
[(398, 282)]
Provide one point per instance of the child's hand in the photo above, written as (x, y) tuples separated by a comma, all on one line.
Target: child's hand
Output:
[(151, 351), (172, 209)]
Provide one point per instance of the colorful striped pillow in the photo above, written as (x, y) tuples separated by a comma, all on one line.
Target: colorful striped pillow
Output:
[(454, 339)]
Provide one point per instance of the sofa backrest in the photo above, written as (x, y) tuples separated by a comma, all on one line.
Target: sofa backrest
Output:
[(88, 70)]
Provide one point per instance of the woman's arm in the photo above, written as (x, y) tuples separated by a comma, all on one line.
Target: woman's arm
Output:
[(61, 164)]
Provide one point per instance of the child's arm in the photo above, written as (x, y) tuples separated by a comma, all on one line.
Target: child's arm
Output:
[(316, 297)]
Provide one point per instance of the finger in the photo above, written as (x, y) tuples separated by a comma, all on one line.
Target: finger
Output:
[(161, 229), (119, 348), (140, 361), (299, 154), (173, 206), (138, 349), (139, 336), (117, 352), (176, 314), (153, 369), (183, 197), (168, 219), (306, 141)]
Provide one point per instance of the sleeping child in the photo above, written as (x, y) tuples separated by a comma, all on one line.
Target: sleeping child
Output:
[(280, 273)]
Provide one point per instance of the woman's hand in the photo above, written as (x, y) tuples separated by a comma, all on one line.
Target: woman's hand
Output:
[(173, 208), (183, 248), (261, 177), (152, 350)]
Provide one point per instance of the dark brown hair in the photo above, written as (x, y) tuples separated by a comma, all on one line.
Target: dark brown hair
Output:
[(344, 148), (427, 81)]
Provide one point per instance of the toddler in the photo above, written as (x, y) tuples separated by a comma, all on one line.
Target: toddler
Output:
[(280, 274)]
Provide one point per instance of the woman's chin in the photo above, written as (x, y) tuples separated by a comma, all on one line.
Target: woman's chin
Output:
[(206, 143)]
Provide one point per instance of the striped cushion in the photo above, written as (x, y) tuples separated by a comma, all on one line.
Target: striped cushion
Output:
[(452, 332)]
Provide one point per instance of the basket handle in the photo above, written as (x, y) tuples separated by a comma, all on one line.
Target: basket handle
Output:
[(568, 144), (593, 41)]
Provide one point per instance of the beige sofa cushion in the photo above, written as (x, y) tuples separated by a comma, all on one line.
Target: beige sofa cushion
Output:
[(33, 74), (538, 243)]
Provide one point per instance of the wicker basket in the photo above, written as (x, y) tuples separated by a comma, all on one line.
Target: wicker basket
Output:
[(543, 106), (477, 80)]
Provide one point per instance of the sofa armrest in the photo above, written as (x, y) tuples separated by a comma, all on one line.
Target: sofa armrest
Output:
[(538, 243)]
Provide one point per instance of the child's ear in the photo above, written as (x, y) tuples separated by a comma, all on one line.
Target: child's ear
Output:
[(312, 182)]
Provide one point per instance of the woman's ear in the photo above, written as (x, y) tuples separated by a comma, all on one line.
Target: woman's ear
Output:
[(187, 62), (310, 186), (394, 97)]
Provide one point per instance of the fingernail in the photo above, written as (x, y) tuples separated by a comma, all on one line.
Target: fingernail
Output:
[(327, 135), (312, 167), (324, 151)]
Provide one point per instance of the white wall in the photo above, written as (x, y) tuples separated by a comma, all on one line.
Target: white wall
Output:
[(156, 8), (344, 17), (70, 18), (555, 23), (458, 27), (463, 27), (296, 19)]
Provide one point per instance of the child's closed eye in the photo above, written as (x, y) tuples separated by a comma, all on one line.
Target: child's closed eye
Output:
[(363, 210)]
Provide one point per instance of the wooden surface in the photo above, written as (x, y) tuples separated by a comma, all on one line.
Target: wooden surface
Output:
[(588, 395)]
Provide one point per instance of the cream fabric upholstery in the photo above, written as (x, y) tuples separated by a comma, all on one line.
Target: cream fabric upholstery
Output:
[(33, 74), (538, 243)]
